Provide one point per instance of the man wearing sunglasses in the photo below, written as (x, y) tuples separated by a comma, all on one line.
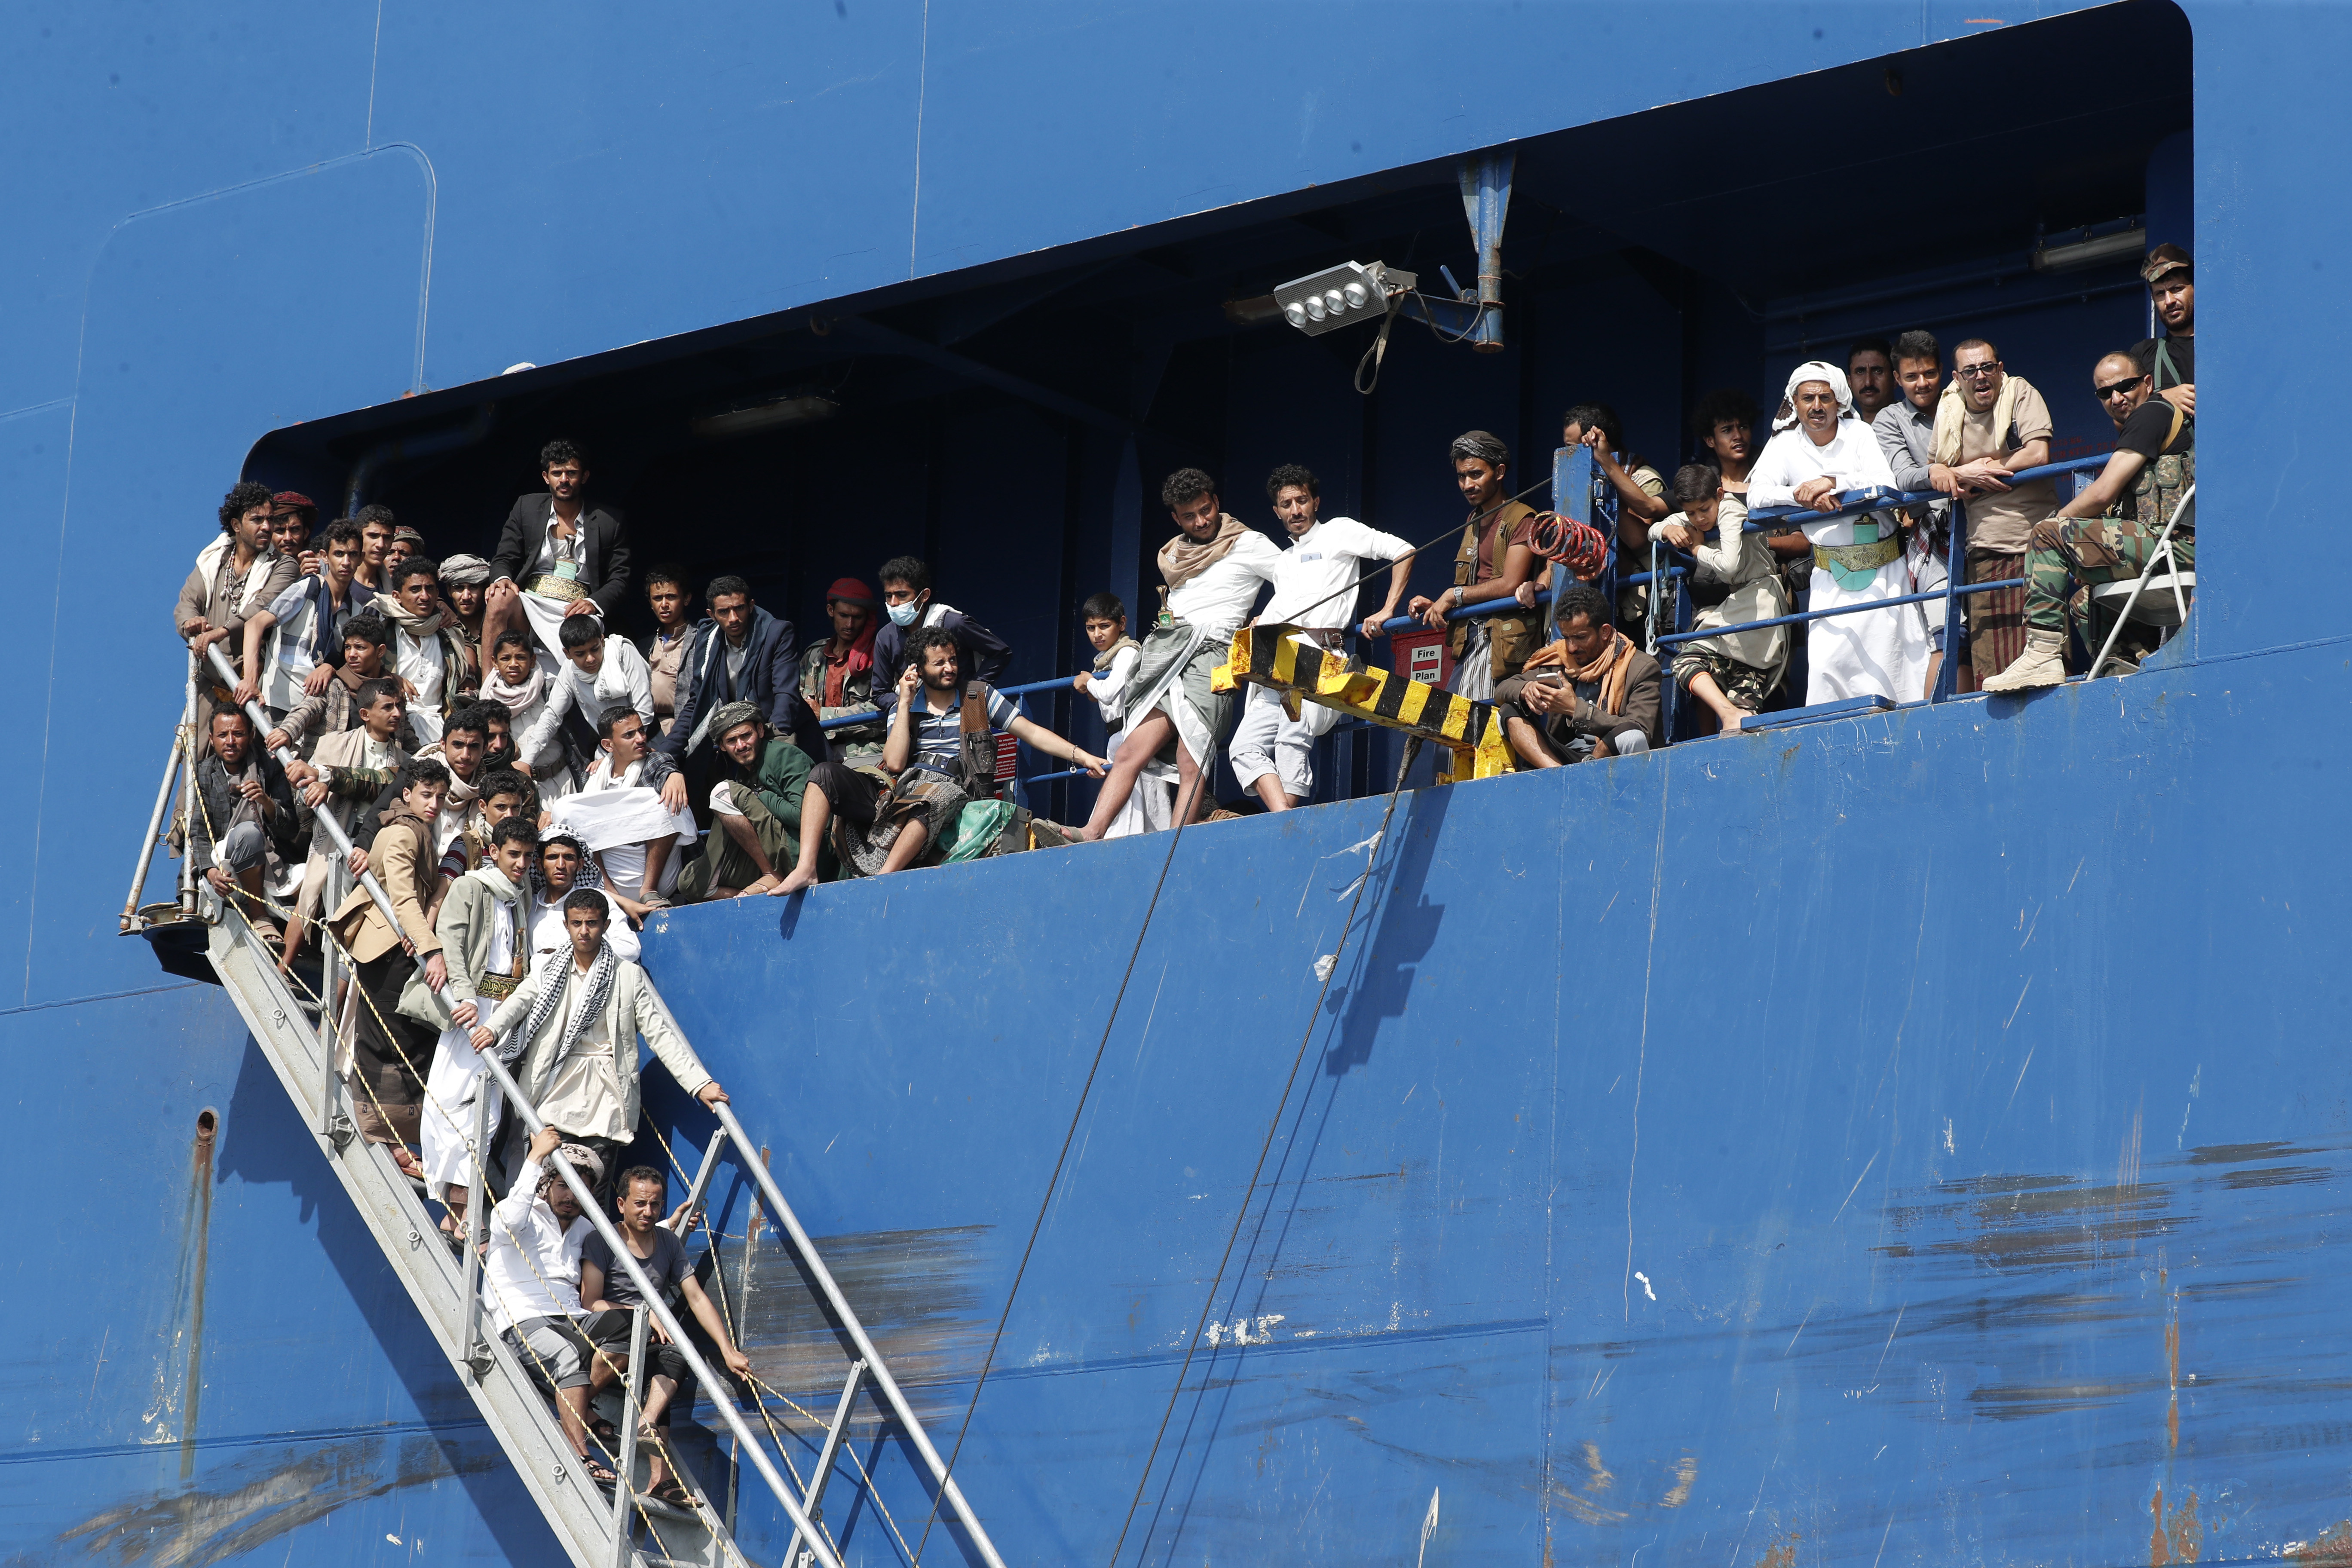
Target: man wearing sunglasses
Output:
[(2107, 533), (1989, 425)]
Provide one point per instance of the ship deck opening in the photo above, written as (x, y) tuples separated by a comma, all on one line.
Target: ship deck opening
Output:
[(1010, 424)]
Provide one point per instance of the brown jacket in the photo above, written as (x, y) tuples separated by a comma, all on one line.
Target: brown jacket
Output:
[(1642, 707), (406, 863), (207, 596)]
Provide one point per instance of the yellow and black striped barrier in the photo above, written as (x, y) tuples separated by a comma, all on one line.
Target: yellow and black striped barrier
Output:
[(1304, 671)]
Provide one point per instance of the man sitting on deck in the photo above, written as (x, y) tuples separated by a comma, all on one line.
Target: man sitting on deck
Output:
[(622, 812), (1592, 694), (1819, 450), (940, 755), (2108, 532), (755, 809)]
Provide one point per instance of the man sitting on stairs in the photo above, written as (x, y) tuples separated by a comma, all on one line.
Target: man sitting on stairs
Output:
[(531, 1283)]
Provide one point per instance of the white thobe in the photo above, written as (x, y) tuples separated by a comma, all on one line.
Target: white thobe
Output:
[(1881, 654), (458, 1078)]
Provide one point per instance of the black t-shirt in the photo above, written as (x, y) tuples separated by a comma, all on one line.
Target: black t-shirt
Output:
[(665, 1267), (2146, 431), (2183, 352)]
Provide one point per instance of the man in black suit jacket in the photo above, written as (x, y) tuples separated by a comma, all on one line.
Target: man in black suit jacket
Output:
[(602, 571)]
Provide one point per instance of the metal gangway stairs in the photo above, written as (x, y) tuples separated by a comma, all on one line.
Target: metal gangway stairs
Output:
[(627, 1527)]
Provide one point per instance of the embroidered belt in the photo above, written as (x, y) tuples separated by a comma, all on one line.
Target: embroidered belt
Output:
[(550, 586), (1859, 557), (496, 988)]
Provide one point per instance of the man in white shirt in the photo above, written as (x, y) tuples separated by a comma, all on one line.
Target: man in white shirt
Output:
[(426, 656), (1213, 567), (1820, 451), (531, 1283), (563, 865), (621, 812), (600, 673), (1315, 589)]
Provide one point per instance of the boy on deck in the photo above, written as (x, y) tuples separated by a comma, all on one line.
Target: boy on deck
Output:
[(1109, 683), (604, 672), (520, 684)]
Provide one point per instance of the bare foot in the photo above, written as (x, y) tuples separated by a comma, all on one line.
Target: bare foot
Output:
[(794, 883)]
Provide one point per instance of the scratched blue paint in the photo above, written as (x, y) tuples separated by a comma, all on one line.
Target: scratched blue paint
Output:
[(1797, 1148)]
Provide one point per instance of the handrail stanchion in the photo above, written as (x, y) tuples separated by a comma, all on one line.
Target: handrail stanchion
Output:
[(876, 1367), (709, 1381), (188, 794), (477, 1353), (331, 978), (624, 1473), (2161, 553), (172, 764), (1956, 549), (342, 840)]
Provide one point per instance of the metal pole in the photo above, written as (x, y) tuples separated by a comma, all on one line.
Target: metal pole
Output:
[(813, 1503), (697, 1193), (477, 1230), (1486, 201), (709, 1380), (188, 798), (332, 974), (856, 1331), (2123, 616), (163, 803), (624, 1473), (1956, 549), (342, 840)]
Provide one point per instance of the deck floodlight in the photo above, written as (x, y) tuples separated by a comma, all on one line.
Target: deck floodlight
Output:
[(2090, 252), (1340, 296), (770, 413)]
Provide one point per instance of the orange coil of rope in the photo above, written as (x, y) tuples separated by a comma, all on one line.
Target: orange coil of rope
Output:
[(1578, 546)]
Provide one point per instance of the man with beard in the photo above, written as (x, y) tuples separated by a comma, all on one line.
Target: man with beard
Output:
[(755, 809), (838, 674), (563, 868), (1495, 561), (940, 754), (1819, 451), (1213, 568), (2171, 360), (390, 1052)]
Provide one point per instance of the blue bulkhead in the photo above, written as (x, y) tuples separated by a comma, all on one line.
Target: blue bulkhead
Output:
[(1891, 1140)]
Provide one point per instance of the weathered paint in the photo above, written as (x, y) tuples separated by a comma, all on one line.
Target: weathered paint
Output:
[(1639, 1076)]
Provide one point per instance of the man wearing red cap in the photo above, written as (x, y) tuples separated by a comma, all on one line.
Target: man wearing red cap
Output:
[(838, 674), (292, 518)]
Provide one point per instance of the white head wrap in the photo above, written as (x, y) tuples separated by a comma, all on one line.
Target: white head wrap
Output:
[(1812, 370)]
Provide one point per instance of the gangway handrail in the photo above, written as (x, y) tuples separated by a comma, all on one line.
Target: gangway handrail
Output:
[(323, 819), (1879, 498), (710, 1382)]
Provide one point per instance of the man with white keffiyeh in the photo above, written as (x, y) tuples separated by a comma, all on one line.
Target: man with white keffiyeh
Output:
[(574, 1025)]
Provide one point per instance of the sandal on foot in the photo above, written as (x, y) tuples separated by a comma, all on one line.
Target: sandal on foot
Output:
[(673, 1492)]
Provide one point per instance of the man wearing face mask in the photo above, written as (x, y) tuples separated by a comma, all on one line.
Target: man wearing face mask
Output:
[(907, 600)]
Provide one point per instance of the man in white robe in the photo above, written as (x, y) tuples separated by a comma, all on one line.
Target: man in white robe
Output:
[(1819, 452)]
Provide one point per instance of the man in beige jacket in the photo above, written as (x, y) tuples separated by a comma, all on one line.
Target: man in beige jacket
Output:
[(391, 1053), (574, 1028)]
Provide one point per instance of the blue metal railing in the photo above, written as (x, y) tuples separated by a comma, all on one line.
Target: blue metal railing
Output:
[(1775, 520)]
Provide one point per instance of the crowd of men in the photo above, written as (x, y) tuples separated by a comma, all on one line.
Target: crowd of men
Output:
[(525, 787)]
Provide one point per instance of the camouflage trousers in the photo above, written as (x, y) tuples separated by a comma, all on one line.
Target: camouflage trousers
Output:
[(2070, 556)]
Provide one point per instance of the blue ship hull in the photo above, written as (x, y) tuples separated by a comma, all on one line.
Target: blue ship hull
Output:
[(1907, 1138)]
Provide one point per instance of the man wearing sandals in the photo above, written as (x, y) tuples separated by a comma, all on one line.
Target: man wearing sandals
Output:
[(578, 1017), (531, 1283), (660, 1251)]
